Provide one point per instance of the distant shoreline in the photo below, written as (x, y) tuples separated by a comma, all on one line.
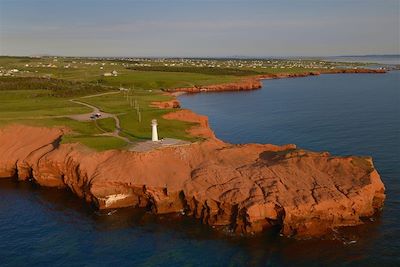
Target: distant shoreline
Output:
[(254, 82)]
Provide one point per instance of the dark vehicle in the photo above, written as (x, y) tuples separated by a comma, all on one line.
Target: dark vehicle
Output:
[(95, 116)]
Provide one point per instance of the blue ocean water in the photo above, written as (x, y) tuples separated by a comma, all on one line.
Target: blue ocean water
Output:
[(346, 114), (343, 114)]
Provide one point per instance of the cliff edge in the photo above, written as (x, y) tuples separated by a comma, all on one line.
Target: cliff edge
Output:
[(254, 82), (235, 188)]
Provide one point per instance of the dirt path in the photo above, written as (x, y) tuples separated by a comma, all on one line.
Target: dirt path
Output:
[(86, 117), (134, 146)]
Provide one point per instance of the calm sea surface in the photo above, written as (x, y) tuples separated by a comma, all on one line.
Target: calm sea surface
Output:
[(344, 114), (381, 59)]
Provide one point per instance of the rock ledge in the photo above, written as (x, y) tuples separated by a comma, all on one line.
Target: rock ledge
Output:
[(236, 188)]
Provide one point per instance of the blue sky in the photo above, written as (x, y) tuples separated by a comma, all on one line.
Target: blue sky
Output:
[(199, 27)]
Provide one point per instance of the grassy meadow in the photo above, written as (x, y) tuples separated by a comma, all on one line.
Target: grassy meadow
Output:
[(38, 90)]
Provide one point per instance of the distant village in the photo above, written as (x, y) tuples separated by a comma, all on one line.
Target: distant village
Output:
[(107, 67)]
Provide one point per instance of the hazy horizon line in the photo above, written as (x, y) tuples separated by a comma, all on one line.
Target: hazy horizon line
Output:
[(211, 57)]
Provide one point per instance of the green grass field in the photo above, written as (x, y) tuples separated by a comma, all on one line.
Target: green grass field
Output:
[(159, 80), (37, 91), (35, 103), (31, 100), (134, 129)]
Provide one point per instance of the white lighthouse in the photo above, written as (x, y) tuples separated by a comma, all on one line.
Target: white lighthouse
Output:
[(154, 134)]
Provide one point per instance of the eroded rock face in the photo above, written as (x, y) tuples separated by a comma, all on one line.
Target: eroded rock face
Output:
[(255, 82), (245, 84), (239, 188), (166, 104)]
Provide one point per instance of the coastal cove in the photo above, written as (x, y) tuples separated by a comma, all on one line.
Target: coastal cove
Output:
[(282, 250)]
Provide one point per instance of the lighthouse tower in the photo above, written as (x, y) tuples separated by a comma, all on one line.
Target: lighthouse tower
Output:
[(154, 134)]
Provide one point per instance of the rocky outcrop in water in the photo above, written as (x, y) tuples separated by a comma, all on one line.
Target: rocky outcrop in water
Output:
[(235, 188)]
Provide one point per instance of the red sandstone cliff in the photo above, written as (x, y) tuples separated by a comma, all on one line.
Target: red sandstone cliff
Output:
[(253, 83), (239, 188), (166, 104), (245, 84)]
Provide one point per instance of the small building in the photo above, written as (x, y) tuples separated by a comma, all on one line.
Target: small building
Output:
[(107, 74)]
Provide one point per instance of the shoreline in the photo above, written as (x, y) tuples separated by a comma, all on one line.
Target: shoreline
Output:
[(221, 184), (254, 82)]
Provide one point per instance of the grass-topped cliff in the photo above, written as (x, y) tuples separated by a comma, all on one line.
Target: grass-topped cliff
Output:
[(38, 91)]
